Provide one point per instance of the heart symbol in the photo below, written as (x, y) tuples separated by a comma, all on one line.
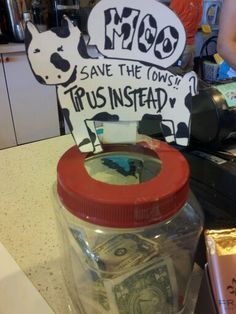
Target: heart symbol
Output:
[(172, 102)]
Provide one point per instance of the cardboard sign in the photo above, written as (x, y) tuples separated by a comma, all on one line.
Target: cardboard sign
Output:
[(137, 30), (139, 41)]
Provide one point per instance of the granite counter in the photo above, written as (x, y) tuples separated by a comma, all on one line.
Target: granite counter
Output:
[(27, 221)]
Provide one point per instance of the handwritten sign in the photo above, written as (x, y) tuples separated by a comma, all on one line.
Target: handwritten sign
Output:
[(137, 30), (119, 87)]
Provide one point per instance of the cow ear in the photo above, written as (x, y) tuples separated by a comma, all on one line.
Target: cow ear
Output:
[(31, 29), (67, 22)]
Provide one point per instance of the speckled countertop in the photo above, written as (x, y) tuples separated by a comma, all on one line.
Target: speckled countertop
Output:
[(27, 221)]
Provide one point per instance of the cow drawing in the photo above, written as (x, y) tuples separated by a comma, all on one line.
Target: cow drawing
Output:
[(106, 89)]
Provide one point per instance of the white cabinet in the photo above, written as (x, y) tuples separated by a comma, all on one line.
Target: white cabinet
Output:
[(7, 133), (33, 106)]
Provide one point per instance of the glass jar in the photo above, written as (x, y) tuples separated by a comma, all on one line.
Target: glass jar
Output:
[(129, 228)]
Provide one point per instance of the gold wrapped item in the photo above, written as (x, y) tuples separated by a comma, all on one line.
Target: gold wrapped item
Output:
[(221, 257)]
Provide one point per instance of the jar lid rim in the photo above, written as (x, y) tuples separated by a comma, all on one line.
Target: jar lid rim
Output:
[(124, 206)]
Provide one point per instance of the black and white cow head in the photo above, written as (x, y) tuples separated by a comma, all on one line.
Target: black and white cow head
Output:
[(51, 53)]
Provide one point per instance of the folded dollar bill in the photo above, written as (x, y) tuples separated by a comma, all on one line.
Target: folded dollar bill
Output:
[(152, 288), (118, 253), (125, 273)]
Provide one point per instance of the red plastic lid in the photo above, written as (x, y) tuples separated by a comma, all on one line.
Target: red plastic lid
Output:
[(123, 206)]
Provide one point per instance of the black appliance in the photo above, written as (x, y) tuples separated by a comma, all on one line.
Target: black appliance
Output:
[(59, 8), (78, 11), (211, 153), (213, 181), (4, 30), (213, 119)]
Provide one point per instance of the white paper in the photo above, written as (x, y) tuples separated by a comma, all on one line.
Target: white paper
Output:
[(119, 132), (17, 293)]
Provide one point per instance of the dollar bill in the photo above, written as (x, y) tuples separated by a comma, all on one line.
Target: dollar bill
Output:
[(118, 253), (94, 293), (126, 274), (123, 252), (149, 290), (183, 265)]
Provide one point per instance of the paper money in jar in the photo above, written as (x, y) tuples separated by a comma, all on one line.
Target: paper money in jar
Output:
[(129, 230), (129, 275)]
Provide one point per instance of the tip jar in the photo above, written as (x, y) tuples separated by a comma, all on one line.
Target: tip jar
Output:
[(129, 228)]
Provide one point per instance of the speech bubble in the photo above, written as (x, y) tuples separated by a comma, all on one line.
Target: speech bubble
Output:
[(146, 31)]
